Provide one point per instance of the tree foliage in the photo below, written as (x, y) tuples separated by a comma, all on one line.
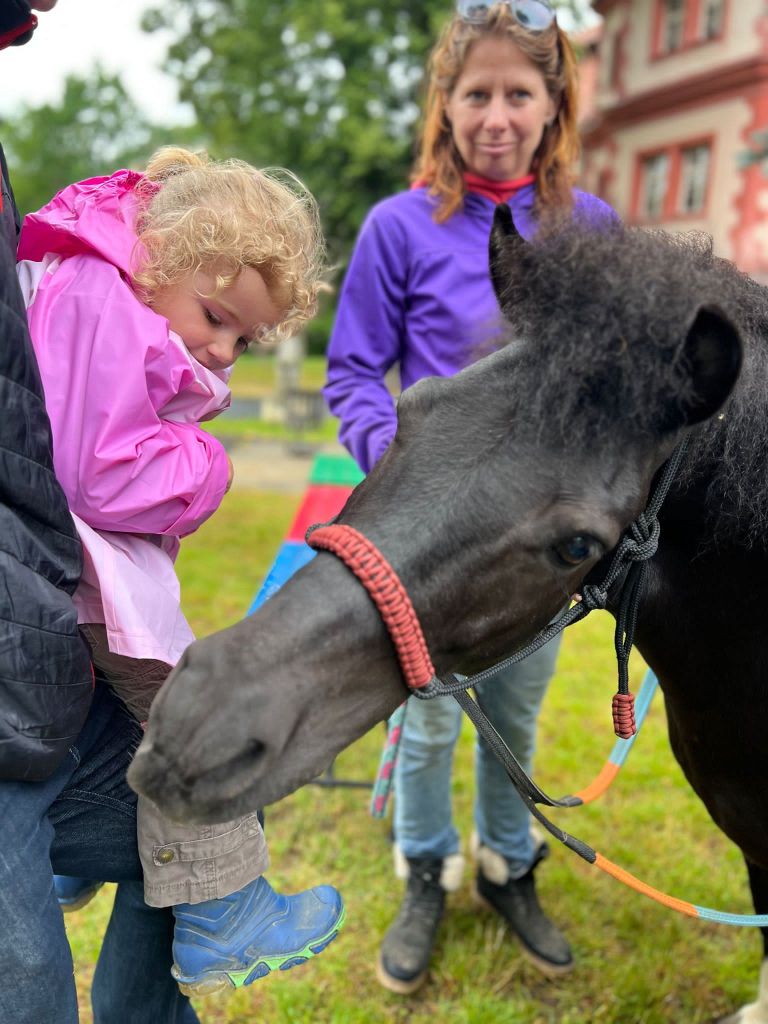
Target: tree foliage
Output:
[(329, 89), (94, 129)]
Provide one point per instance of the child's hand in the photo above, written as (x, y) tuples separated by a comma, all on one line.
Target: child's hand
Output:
[(230, 475)]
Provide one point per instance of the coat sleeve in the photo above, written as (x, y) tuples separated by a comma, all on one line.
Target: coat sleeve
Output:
[(107, 368), (367, 339), (45, 672)]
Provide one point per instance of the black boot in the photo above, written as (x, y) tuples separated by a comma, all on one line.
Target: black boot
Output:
[(516, 901), (407, 946)]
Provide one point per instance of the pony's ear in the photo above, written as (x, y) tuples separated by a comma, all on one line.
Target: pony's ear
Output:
[(504, 251), (712, 353)]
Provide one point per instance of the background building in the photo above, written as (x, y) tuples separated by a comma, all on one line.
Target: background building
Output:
[(673, 93)]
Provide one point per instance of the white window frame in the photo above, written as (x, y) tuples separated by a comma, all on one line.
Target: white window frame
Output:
[(711, 19), (654, 184), (695, 162), (673, 26)]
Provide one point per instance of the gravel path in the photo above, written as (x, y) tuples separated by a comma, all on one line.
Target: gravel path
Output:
[(275, 465)]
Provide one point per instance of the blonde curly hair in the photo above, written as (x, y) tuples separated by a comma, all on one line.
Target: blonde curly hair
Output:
[(222, 216)]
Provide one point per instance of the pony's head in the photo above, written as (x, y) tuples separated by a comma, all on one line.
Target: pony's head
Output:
[(503, 488)]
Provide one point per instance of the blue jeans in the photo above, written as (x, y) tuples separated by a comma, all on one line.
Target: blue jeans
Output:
[(423, 821), (82, 822)]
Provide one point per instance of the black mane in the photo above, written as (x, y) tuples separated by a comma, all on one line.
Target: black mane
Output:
[(600, 319)]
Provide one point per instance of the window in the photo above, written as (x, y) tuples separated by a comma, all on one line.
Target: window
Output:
[(615, 62), (655, 172), (673, 183), (694, 175), (711, 19), (674, 26), (680, 24)]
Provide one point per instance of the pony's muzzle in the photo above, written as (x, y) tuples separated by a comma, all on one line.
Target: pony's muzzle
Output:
[(197, 793)]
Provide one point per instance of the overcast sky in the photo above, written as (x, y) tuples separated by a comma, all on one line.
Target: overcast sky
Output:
[(76, 34), (71, 38)]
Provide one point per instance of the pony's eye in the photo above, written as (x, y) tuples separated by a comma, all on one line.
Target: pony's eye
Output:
[(572, 551)]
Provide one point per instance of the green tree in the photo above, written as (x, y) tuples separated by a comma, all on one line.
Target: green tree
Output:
[(329, 89), (95, 128)]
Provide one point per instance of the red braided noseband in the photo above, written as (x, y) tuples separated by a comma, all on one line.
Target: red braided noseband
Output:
[(388, 594)]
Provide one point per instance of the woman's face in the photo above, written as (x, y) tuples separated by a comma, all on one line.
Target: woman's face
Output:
[(498, 110)]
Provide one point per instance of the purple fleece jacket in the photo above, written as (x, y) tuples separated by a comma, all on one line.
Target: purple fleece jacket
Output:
[(418, 293)]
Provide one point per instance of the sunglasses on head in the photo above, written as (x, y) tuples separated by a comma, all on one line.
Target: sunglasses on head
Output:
[(534, 15)]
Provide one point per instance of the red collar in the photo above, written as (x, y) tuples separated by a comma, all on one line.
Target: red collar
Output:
[(496, 191)]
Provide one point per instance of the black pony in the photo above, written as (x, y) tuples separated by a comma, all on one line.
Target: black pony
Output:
[(504, 490)]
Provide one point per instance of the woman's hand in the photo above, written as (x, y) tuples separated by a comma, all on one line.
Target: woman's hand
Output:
[(230, 474)]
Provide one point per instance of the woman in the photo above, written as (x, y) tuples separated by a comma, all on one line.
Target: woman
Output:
[(499, 126)]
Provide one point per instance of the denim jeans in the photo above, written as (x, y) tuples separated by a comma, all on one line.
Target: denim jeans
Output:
[(423, 820), (82, 822)]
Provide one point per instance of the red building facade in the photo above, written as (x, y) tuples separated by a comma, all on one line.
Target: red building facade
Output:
[(680, 88)]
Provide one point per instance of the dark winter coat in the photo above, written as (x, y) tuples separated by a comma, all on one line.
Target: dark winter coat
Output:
[(45, 674)]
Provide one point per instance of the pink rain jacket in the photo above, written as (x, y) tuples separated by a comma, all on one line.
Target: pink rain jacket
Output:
[(124, 397)]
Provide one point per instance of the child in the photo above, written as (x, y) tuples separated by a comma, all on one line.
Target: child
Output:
[(142, 290)]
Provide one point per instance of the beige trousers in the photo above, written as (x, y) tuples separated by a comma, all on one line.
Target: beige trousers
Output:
[(182, 863)]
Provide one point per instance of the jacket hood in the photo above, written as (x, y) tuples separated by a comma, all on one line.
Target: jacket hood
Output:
[(96, 217)]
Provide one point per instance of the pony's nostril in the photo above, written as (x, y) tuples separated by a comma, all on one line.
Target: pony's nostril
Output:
[(254, 749), (227, 779)]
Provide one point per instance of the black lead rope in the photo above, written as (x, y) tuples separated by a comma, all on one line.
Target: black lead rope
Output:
[(639, 543), (527, 789)]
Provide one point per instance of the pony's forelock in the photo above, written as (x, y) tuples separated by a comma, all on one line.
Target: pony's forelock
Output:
[(599, 319)]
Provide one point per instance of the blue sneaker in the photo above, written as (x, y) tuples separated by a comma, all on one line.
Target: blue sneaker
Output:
[(74, 893), (235, 940)]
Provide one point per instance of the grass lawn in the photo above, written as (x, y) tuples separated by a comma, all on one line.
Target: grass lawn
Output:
[(637, 963), (254, 374), (254, 377)]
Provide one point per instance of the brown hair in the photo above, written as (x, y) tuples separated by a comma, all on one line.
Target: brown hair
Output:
[(222, 216), (439, 163)]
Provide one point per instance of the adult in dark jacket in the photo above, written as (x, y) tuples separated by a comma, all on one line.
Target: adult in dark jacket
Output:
[(64, 745), (45, 673)]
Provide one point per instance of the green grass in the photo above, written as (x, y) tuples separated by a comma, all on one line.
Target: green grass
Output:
[(254, 377), (637, 963), (226, 427), (254, 374)]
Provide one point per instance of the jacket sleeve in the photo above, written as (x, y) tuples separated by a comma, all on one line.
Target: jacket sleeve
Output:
[(366, 340), (593, 211), (45, 672), (107, 368)]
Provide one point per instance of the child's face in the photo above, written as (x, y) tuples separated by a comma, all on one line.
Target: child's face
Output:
[(217, 329)]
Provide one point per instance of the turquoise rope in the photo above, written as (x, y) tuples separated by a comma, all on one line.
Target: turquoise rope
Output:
[(384, 776)]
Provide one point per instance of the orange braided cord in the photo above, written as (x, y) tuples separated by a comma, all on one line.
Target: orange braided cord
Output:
[(647, 890), (388, 594), (624, 715)]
